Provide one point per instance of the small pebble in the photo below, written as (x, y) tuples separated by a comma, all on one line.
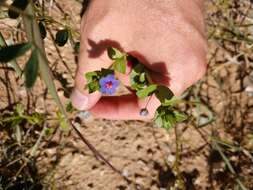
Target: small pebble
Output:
[(125, 173), (249, 90), (171, 159), (84, 114), (144, 112)]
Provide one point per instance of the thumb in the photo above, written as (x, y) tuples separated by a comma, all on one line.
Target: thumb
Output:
[(88, 61), (80, 98)]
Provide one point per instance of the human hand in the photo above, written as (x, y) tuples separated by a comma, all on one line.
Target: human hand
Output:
[(166, 36)]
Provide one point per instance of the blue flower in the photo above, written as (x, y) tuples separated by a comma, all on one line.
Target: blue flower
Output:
[(108, 84)]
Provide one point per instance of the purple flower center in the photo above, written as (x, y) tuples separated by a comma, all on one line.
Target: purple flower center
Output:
[(109, 84)]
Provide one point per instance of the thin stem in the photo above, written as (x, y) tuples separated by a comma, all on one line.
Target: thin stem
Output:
[(35, 147), (180, 181), (149, 98), (96, 153)]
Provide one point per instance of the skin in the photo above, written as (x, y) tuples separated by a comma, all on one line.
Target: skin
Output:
[(167, 36)]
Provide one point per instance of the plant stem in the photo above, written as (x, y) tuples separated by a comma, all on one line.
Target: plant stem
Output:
[(34, 36), (94, 150), (35, 147), (179, 181)]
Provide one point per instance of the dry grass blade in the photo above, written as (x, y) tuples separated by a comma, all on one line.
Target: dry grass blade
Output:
[(34, 36), (228, 164)]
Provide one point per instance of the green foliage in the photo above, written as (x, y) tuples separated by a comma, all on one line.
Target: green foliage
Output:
[(120, 59), (11, 52), (166, 117), (105, 72), (163, 94), (69, 107), (174, 101), (92, 81), (31, 69), (142, 77), (19, 5), (143, 93), (94, 77), (63, 122), (119, 64), (138, 77), (48, 131), (114, 53), (62, 37), (93, 86), (19, 115), (90, 76)]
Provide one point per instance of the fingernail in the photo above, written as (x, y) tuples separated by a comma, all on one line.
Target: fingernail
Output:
[(79, 100)]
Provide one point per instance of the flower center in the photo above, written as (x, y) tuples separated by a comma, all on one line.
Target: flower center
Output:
[(108, 84)]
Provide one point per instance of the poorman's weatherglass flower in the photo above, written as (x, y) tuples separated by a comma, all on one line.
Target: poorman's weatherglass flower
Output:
[(108, 84)]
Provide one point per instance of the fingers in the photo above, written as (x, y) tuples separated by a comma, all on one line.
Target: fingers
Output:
[(80, 97), (91, 58), (125, 107)]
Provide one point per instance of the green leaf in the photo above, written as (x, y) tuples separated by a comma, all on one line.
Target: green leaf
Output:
[(169, 121), (135, 77), (163, 93), (167, 117), (120, 64), (49, 131), (142, 77), (43, 31), (61, 37), (35, 118), (138, 69), (172, 102), (11, 52), (92, 86), (18, 4), (31, 69), (164, 118), (179, 116), (63, 122), (146, 91), (20, 109), (91, 75), (114, 53), (158, 120), (69, 107), (105, 72)]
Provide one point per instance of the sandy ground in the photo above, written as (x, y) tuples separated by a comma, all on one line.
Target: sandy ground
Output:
[(144, 153)]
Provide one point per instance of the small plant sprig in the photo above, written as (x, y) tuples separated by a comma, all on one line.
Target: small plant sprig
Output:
[(105, 81)]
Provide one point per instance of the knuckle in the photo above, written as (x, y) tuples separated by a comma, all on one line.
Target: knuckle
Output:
[(199, 67)]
